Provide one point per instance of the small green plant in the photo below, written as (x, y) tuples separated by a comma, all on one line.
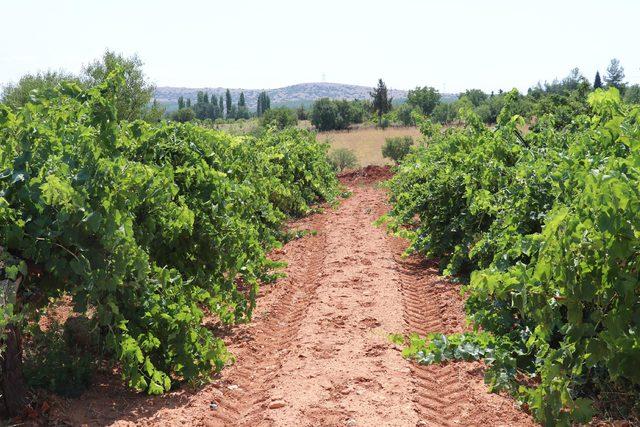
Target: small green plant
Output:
[(343, 158), (397, 148)]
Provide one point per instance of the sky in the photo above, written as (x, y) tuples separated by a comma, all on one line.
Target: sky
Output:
[(451, 45)]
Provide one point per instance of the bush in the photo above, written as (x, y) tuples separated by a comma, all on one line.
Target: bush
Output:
[(324, 115), (279, 118), (183, 115), (405, 115), (328, 114), (343, 158), (444, 113), (397, 148)]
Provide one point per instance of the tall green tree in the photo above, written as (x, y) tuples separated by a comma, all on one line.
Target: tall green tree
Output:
[(228, 102), (615, 75), (264, 103), (181, 104), (597, 82), (134, 97), (381, 102), (221, 106), (243, 111), (426, 98)]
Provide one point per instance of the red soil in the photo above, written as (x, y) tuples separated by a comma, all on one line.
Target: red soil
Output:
[(317, 351)]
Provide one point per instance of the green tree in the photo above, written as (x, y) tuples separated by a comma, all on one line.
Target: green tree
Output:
[(134, 97), (279, 118), (18, 94), (324, 115), (264, 103), (243, 111), (221, 106), (381, 102), (181, 102), (425, 98), (405, 115), (615, 75), (476, 96), (183, 115), (228, 103), (597, 82)]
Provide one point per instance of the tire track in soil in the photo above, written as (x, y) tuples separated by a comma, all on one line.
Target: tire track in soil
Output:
[(249, 383), (453, 393)]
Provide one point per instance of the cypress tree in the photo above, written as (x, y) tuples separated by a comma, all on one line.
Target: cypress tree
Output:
[(241, 101), (188, 102), (228, 102), (180, 102), (259, 106), (597, 82), (205, 98)]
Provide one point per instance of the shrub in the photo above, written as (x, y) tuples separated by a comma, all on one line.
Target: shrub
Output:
[(444, 113), (328, 114), (279, 118), (324, 115), (405, 115), (397, 148), (183, 115), (343, 158)]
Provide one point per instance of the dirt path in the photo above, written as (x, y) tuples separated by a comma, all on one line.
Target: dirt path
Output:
[(317, 352)]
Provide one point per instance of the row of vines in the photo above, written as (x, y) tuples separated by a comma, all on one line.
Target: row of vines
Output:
[(543, 228), (150, 231)]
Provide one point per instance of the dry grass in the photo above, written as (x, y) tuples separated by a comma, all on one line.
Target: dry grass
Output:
[(367, 142)]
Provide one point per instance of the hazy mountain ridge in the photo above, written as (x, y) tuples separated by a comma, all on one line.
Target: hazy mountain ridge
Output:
[(303, 93)]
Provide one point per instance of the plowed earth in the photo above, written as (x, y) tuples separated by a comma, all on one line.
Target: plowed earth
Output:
[(317, 351)]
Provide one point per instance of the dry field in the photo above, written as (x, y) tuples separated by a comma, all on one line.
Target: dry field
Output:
[(367, 142)]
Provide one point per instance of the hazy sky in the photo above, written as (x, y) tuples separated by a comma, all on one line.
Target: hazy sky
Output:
[(451, 45)]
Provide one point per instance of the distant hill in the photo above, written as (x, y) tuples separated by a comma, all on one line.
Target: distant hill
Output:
[(291, 96)]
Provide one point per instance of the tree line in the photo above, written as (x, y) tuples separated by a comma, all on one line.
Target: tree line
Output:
[(213, 107)]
